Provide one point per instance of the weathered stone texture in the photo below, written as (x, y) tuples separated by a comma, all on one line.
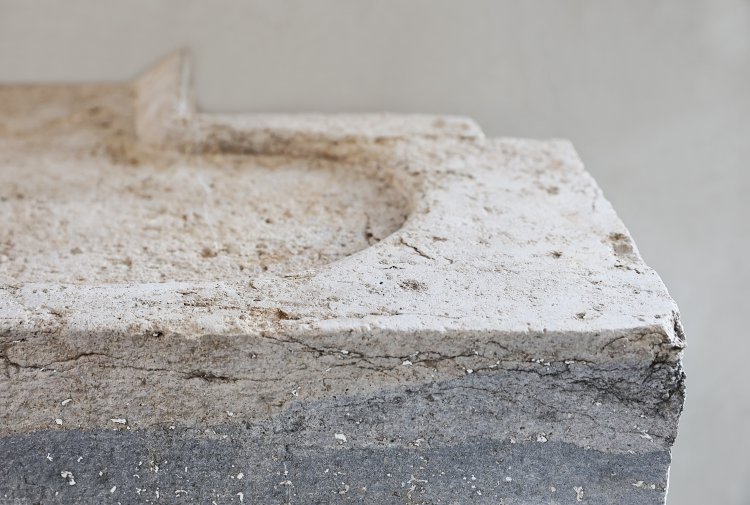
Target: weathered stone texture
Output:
[(316, 309)]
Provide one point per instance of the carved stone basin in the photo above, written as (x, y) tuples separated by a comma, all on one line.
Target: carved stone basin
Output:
[(223, 219), (126, 215)]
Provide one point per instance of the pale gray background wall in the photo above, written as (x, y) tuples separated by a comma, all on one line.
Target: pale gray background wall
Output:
[(655, 95)]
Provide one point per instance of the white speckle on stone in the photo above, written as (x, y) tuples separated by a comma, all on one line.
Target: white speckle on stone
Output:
[(344, 352), (67, 475), (508, 479), (579, 493), (643, 485), (242, 497), (541, 437), (58, 422), (340, 437), (66, 401), (230, 414), (469, 371), (49, 456), (645, 435), (552, 489), (79, 459), (240, 475), (119, 420), (114, 488), (178, 492), (406, 363)]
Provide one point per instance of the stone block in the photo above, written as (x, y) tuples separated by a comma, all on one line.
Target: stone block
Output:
[(316, 309)]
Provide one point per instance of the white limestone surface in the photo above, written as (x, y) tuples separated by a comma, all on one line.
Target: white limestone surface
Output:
[(384, 225)]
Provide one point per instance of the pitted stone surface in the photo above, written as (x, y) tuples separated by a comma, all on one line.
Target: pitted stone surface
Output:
[(385, 309), (189, 221)]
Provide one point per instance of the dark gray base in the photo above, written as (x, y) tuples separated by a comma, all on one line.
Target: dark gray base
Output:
[(474, 472), (526, 436)]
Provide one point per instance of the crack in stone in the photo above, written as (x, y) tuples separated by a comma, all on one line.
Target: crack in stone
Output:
[(205, 375), (416, 249), (9, 362)]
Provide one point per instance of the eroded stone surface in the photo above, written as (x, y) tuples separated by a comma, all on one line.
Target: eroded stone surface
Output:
[(386, 309), (189, 221)]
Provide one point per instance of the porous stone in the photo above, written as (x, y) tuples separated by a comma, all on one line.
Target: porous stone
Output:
[(316, 309)]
